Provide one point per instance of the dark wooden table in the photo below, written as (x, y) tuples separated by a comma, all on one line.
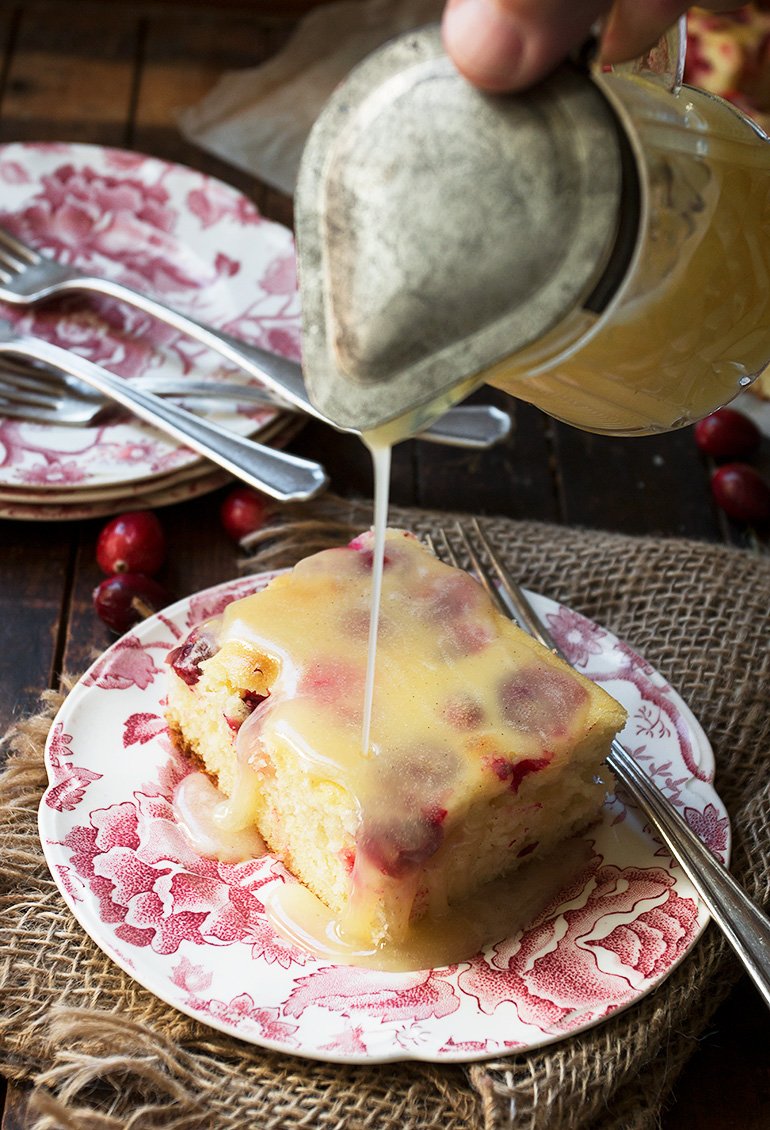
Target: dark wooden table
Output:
[(115, 74)]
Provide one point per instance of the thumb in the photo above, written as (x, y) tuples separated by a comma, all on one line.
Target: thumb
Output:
[(508, 44)]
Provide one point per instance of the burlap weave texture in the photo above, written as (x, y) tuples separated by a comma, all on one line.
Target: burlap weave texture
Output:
[(102, 1052)]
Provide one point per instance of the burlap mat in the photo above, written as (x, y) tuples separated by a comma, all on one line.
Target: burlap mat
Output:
[(102, 1052)]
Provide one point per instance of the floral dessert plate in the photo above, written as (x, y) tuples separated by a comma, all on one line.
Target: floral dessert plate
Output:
[(277, 433), (195, 932), (188, 239), (183, 486)]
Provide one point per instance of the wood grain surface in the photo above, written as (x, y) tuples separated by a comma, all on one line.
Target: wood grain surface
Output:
[(117, 73)]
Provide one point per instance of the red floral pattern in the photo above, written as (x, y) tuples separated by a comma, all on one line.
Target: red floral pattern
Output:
[(389, 996), (530, 972), (153, 888), (69, 782)]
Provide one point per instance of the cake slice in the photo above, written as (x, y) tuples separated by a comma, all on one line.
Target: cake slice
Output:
[(485, 748)]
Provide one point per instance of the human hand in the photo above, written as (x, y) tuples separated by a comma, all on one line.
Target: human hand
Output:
[(508, 44)]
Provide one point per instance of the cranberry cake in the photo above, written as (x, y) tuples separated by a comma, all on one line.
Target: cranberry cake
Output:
[(485, 749)]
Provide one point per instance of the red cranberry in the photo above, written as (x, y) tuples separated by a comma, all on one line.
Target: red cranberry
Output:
[(252, 700), (516, 771), (402, 846), (463, 712), (242, 512), (541, 700), (125, 599), (727, 434), (741, 492), (366, 557), (132, 543), (186, 659)]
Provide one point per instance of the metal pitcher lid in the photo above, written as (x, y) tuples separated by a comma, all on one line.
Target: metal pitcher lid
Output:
[(440, 229)]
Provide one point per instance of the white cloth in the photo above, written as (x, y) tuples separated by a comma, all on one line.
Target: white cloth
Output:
[(258, 119)]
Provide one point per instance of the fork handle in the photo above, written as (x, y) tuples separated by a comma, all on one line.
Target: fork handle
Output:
[(276, 473), (469, 427), (744, 924)]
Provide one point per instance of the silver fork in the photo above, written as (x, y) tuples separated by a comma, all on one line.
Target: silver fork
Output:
[(43, 396), (31, 392), (27, 277), (744, 924), (277, 473)]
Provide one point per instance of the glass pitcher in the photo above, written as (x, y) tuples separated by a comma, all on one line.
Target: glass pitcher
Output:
[(658, 307)]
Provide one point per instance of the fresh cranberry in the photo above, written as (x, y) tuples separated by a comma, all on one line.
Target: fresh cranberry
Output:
[(132, 543), (364, 542), (742, 493), (242, 512), (125, 599), (727, 434), (186, 659), (331, 682)]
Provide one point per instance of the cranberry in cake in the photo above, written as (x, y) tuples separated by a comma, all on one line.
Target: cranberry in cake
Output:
[(485, 749)]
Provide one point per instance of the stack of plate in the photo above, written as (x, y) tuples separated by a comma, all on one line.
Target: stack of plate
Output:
[(191, 241)]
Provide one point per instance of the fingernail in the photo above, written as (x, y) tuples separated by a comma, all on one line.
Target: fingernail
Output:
[(484, 42)]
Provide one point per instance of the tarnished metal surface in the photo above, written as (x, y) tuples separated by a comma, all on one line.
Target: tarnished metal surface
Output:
[(441, 229)]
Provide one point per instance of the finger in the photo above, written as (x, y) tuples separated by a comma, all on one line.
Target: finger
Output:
[(509, 44), (633, 27)]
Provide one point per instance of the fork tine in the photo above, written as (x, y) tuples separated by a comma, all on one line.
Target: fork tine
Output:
[(30, 386), (16, 374), (20, 251), (10, 267), (7, 272), (448, 550), (46, 409), (14, 378), (517, 600), (27, 394), (480, 569), (30, 412)]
